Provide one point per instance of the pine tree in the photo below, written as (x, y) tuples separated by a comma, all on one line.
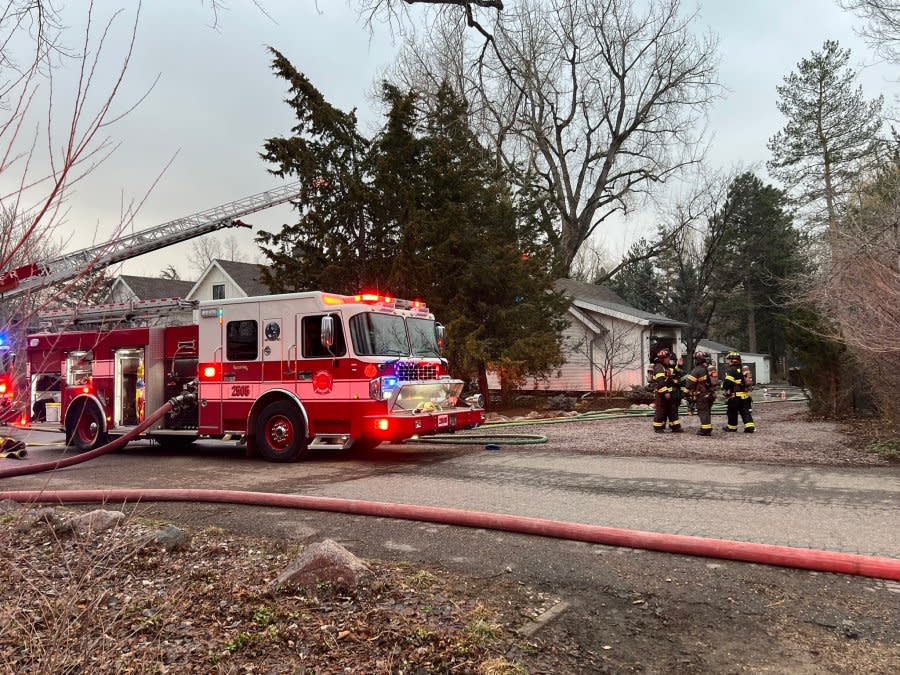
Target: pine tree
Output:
[(831, 135), (330, 246)]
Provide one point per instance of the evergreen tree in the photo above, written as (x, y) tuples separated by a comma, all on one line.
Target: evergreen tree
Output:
[(831, 135), (476, 251), (638, 282), (764, 254), (330, 247)]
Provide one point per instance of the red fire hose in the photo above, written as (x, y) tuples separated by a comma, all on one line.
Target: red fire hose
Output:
[(766, 554)]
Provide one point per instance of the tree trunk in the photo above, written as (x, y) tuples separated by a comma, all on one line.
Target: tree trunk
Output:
[(751, 320), (483, 383)]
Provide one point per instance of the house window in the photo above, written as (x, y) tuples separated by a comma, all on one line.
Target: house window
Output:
[(218, 292)]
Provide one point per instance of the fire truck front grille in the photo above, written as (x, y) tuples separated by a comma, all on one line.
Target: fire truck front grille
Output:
[(416, 371)]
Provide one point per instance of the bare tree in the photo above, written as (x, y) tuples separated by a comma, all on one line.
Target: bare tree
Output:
[(206, 249), (613, 352), (34, 200), (596, 100), (881, 29)]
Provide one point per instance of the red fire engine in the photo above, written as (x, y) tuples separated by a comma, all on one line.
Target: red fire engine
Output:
[(289, 373)]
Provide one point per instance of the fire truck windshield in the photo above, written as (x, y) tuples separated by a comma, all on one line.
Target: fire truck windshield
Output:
[(376, 334)]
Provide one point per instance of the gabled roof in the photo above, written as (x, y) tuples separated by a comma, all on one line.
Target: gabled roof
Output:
[(152, 288), (245, 275), (600, 298), (711, 346)]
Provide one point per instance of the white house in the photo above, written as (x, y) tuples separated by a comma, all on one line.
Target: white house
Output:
[(607, 343), (228, 279)]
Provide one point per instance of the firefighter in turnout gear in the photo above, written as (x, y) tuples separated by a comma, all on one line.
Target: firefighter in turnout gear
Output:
[(666, 385), (701, 387), (736, 384)]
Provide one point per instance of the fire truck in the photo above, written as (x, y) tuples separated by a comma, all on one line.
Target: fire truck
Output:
[(287, 373), (7, 390)]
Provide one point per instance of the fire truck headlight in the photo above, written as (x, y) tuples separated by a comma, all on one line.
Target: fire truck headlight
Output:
[(381, 388)]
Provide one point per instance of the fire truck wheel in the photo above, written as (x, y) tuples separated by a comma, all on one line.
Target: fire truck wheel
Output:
[(84, 427), (281, 433)]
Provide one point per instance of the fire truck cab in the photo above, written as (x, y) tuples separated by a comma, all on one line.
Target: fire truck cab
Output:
[(289, 373)]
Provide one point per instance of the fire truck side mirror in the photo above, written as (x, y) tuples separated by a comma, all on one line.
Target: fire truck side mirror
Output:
[(440, 336), (327, 332)]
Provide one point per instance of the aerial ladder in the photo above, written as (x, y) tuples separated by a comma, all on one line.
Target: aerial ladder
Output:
[(35, 276)]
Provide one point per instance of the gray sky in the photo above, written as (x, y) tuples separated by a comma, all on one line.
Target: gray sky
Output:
[(217, 101)]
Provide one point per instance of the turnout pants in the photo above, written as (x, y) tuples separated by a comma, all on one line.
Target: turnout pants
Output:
[(666, 410), (704, 404), (740, 405)]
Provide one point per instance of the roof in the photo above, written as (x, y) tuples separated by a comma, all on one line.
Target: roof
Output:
[(711, 346), (593, 296), (152, 288), (245, 275)]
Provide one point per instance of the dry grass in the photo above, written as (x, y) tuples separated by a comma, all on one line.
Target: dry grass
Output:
[(115, 602)]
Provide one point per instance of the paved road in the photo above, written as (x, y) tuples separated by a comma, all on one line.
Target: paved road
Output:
[(853, 509)]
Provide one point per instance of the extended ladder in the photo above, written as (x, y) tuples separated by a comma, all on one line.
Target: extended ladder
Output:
[(35, 276)]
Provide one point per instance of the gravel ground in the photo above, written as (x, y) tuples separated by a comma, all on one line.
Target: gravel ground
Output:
[(785, 435)]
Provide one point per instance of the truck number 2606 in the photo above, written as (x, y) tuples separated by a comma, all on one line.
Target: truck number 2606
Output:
[(240, 390)]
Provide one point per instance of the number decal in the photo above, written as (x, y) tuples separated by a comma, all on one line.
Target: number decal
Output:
[(240, 390)]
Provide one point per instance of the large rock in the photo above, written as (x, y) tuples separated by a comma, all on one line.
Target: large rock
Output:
[(44, 516), (95, 521), (325, 561)]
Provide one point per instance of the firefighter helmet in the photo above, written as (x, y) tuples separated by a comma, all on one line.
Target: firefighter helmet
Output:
[(701, 357), (662, 354), (734, 356)]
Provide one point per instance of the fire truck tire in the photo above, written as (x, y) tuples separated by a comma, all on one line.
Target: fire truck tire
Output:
[(281, 433), (84, 427)]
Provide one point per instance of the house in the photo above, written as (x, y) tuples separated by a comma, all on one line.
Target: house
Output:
[(228, 279), (607, 344), (126, 287), (760, 364)]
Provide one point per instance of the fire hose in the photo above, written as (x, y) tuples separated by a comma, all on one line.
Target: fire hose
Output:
[(767, 554)]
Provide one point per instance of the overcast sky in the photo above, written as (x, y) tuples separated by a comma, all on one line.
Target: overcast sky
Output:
[(216, 100)]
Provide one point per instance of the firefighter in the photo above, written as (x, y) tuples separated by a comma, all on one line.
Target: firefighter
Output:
[(701, 387), (737, 394), (665, 385), (682, 385)]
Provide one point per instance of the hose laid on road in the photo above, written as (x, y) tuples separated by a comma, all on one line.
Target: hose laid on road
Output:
[(482, 439), (766, 554)]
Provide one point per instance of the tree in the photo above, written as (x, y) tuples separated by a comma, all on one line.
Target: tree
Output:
[(613, 352), (831, 135), (766, 255), (169, 272), (882, 27), (637, 280), (329, 246), (595, 100)]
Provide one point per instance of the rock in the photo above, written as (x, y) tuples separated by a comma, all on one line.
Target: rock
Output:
[(8, 506), (324, 561), (173, 539), (43, 516), (95, 521)]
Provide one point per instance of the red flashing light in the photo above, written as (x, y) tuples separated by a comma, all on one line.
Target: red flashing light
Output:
[(209, 373), (368, 297), (3, 387), (382, 424), (85, 390), (23, 421), (332, 300)]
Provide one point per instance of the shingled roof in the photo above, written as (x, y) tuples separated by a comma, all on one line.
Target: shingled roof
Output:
[(592, 294), (152, 288), (245, 275)]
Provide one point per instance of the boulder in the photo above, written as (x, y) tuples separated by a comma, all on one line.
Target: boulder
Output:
[(325, 561), (95, 521)]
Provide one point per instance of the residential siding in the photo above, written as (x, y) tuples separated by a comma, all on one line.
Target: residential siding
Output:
[(204, 290)]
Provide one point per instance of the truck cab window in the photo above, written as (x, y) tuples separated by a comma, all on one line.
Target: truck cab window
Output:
[(242, 340), (311, 327)]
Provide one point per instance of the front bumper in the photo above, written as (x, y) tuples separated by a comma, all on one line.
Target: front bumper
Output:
[(401, 425)]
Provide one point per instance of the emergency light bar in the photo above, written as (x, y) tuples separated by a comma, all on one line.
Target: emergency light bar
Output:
[(375, 299)]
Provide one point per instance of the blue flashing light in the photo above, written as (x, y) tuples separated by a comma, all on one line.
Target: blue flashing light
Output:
[(390, 383)]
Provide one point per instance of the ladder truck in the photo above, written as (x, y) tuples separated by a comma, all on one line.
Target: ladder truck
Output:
[(288, 373), (38, 275)]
